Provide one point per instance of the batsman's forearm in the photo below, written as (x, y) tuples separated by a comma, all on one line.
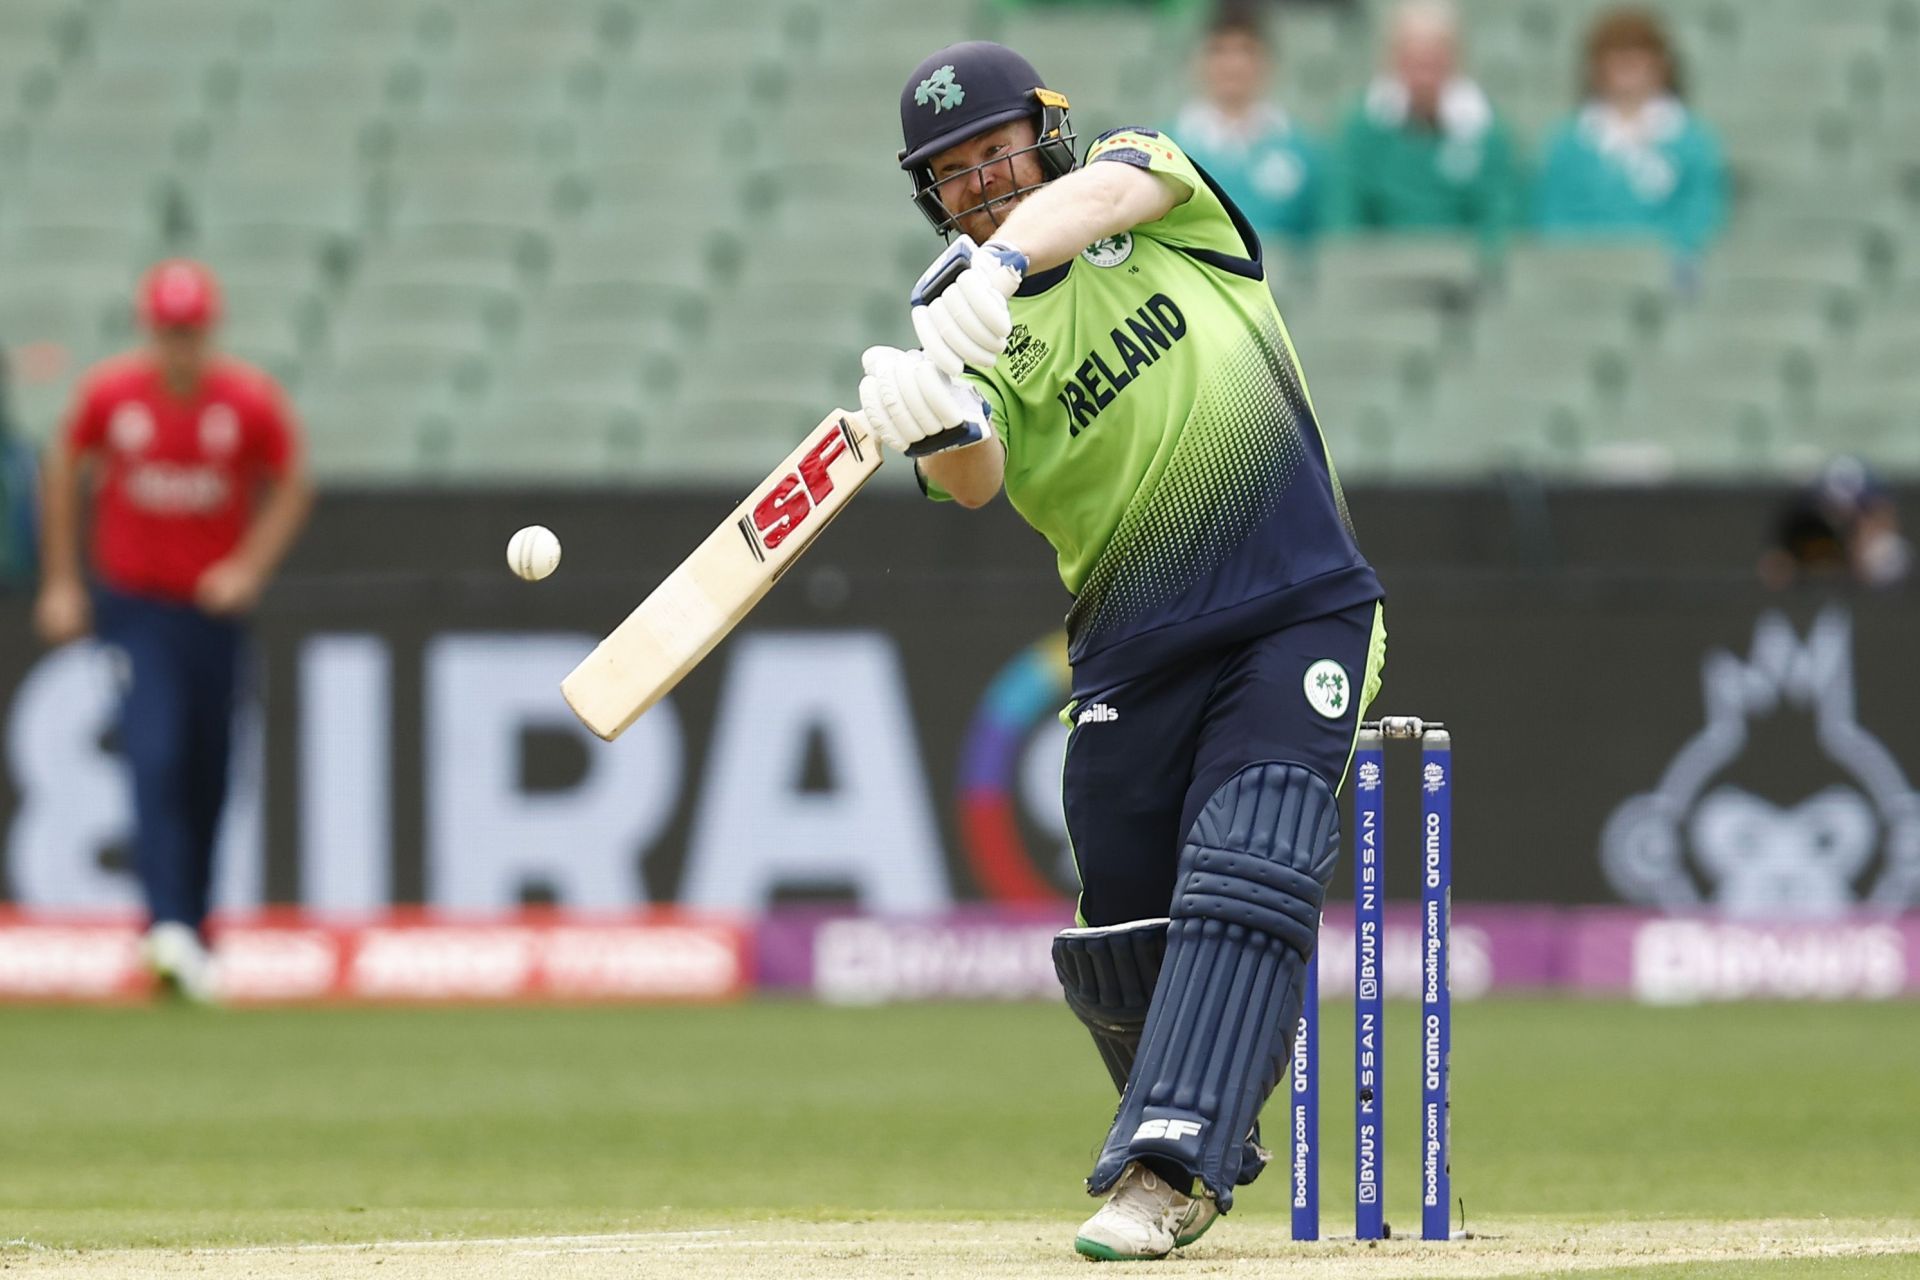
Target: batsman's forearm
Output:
[(1071, 212), (60, 516), (282, 515), (970, 475)]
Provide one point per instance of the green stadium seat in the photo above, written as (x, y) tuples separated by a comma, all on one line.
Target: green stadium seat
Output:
[(727, 42), (282, 363), (496, 257), (53, 29), (576, 439), (1347, 370), (638, 94), (39, 408), (1510, 427), (805, 368), (481, 147), (327, 94), (66, 313), (270, 316), (1706, 424), (644, 312), (1324, 316), (1586, 368), (366, 437), (296, 252), (635, 199), (774, 307), (612, 233), (726, 426), (512, 88), (134, 146), (552, 365), (495, 214), (411, 369), (552, 31), (331, 200), (33, 276), (1815, 262), (1385, 272), (1881, 424), (827, 189), (1787, 313), (140, 90), (1580, 276), (295, 28), (1360, 438), (475, 317), (108, 237), (178, 33)]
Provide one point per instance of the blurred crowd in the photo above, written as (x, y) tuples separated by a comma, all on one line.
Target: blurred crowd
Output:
[(1425, 149)]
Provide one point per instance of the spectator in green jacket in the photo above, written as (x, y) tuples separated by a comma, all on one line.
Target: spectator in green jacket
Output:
[(1234, 130), (1424, 149), (1633, 161)]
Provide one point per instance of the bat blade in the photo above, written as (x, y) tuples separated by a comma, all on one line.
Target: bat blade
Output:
[(702, 600)]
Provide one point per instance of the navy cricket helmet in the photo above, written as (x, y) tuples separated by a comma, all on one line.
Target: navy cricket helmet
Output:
[(963, 91)]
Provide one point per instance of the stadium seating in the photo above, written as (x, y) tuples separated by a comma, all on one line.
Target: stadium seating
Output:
[(646, 239)]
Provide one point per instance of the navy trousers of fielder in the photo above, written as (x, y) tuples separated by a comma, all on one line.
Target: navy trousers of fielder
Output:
[(1204, 795), (176, 729)]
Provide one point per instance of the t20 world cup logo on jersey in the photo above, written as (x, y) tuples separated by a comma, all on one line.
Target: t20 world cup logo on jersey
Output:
[(1719, 830), (1023, 352)]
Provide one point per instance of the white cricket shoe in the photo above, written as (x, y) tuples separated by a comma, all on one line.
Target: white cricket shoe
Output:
[(1144, 1218), (178, 959)]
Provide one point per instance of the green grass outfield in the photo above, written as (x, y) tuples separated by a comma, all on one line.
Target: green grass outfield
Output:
[(801, 1130)]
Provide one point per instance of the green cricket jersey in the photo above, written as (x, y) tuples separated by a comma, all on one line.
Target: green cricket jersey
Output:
[(1159, 434)]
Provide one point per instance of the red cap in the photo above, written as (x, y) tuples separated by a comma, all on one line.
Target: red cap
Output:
[(179, 294)]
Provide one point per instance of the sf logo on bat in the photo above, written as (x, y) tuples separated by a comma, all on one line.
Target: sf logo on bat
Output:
[(786, 507)]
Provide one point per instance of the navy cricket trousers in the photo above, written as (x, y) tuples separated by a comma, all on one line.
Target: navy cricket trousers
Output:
[(1144, 756), (176, 731)]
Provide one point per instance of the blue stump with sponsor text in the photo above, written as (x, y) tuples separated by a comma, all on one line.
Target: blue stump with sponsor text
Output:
[(1435, 842), (1369, 1000), (1303, 1113)]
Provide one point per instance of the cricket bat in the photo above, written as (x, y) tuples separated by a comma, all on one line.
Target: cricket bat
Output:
[(644, 657), (641, 661)]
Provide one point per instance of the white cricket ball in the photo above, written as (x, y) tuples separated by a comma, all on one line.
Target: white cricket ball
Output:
[(534, 552)]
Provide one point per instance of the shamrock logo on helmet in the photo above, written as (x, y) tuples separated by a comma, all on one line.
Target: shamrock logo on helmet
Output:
[(941, 89)]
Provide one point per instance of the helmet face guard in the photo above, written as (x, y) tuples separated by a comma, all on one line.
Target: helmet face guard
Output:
[(1054, 149)]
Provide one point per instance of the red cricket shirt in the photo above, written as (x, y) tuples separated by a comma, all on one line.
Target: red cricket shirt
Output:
[(176, 476)]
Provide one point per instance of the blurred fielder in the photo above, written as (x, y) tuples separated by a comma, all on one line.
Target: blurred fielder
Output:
[(197, 486), (1117, 360)]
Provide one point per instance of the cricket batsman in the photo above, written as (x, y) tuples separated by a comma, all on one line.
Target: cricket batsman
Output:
[(193, 464), (1110, 354)]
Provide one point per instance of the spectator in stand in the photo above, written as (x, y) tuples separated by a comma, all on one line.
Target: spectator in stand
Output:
[(1843, 527), (1633, 161), (1244, 140), (193, 465), (1424, 150)]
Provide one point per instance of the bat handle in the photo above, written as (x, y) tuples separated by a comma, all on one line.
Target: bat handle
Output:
[(932, 287), (951, 438)]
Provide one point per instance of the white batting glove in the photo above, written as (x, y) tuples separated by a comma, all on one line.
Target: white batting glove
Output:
[(967, 323), (916, 409)]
